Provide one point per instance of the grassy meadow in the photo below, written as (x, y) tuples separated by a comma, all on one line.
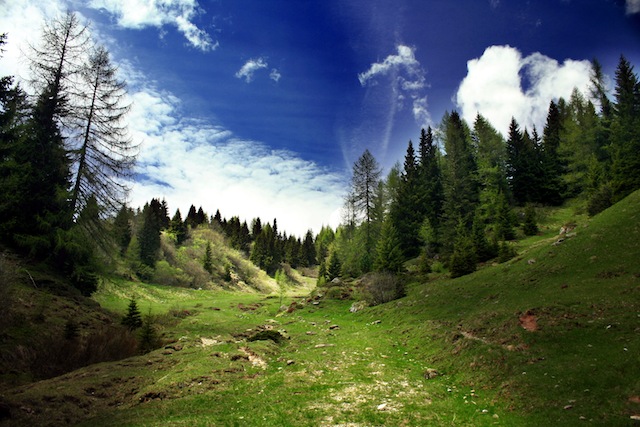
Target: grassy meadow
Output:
[(551, 337)]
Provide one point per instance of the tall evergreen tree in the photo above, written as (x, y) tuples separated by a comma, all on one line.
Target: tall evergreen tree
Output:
[(122, 228), (102, 151), (459, 178), (552, 168), (389, 256), (523, 165), (149, 236), (407, 214), (308, 254), (625, 131), (364, 182)]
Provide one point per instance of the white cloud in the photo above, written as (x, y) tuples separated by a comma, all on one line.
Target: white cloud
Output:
[(633, 6), (275, 75), (137, 14), (501, 84), (403, 60), (407, 82), (189, 161), (250, 67)]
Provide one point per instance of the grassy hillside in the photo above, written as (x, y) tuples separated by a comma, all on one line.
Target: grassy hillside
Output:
[(548, 338)]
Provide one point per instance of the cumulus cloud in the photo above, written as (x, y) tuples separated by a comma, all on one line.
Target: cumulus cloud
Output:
[(502, 84), (137, 14), (189, 161), (633, 6), (247, 71), (408, 82)]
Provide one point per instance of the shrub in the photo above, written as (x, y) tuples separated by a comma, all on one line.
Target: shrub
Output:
[(383, 287), (600, 200)]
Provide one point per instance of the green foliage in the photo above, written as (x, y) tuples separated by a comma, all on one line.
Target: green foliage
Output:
[(335, 266), (207, 262), (530, 225), (505, 252), (463, 259), (133, 319), (149, 339), (389, 256)]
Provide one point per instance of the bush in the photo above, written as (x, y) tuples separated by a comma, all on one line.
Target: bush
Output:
[(600, 200), (383, 287), (338, 292), (505, 252)]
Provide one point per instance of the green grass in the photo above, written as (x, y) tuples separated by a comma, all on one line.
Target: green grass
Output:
[(581, 366)]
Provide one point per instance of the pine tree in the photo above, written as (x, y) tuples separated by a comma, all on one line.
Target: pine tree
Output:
[(459, 178), (625, 131), (133, 318), (149, 236), (364, 182), (335, 266), (207, 262), (122, 228), (463, 259), (308, 254), (523, 165), (530, 225), (406, 213), (102, 153), (389, 256), (552, 168), (179, 228)]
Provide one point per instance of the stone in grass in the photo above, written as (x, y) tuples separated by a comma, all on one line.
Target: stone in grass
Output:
[(431, 373), (272, 335)]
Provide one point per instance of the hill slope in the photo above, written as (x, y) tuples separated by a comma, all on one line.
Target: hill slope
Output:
[(549, 338)]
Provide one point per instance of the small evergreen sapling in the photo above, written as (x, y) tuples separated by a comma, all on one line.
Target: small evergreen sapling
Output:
[(133, 319)]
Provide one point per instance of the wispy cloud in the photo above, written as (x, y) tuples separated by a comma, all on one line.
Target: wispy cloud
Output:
[(275, 75), (248, 70), (633, 6), (502, 84), (189, 161), (137, 14), (250, 67), (407, 80)]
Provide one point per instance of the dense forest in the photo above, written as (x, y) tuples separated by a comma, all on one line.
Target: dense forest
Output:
[(461, 195)]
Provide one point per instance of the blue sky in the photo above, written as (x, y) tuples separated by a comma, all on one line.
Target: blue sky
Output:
[(260, 107)]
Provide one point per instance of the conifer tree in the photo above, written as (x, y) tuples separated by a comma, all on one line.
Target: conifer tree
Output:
[(207, 262), (179, 228), (133, 318), (552, 168), (625, 131), (389, 256), (364, 182), (122, 228), (335, 266), (463, 259), (149, 236), (101, 150), (459, 178)]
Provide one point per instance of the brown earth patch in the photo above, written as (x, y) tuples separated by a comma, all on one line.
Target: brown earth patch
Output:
[(529, 321)]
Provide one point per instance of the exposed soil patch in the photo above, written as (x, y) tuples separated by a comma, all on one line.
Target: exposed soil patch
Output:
[(529, 321)]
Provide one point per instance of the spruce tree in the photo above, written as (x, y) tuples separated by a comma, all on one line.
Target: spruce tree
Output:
[(459, 179), (149, 236), (207, 262), (552, 168), (625, 131), (133, 318), (364, 182), (389, 256)]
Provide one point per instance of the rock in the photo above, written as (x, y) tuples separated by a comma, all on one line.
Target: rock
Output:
[(531, 261), (557, 242), (334, 327), (290, 362), (431, 373), (310, 333), (382, 407), (357, 306), (336, 281), (324, 345)]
